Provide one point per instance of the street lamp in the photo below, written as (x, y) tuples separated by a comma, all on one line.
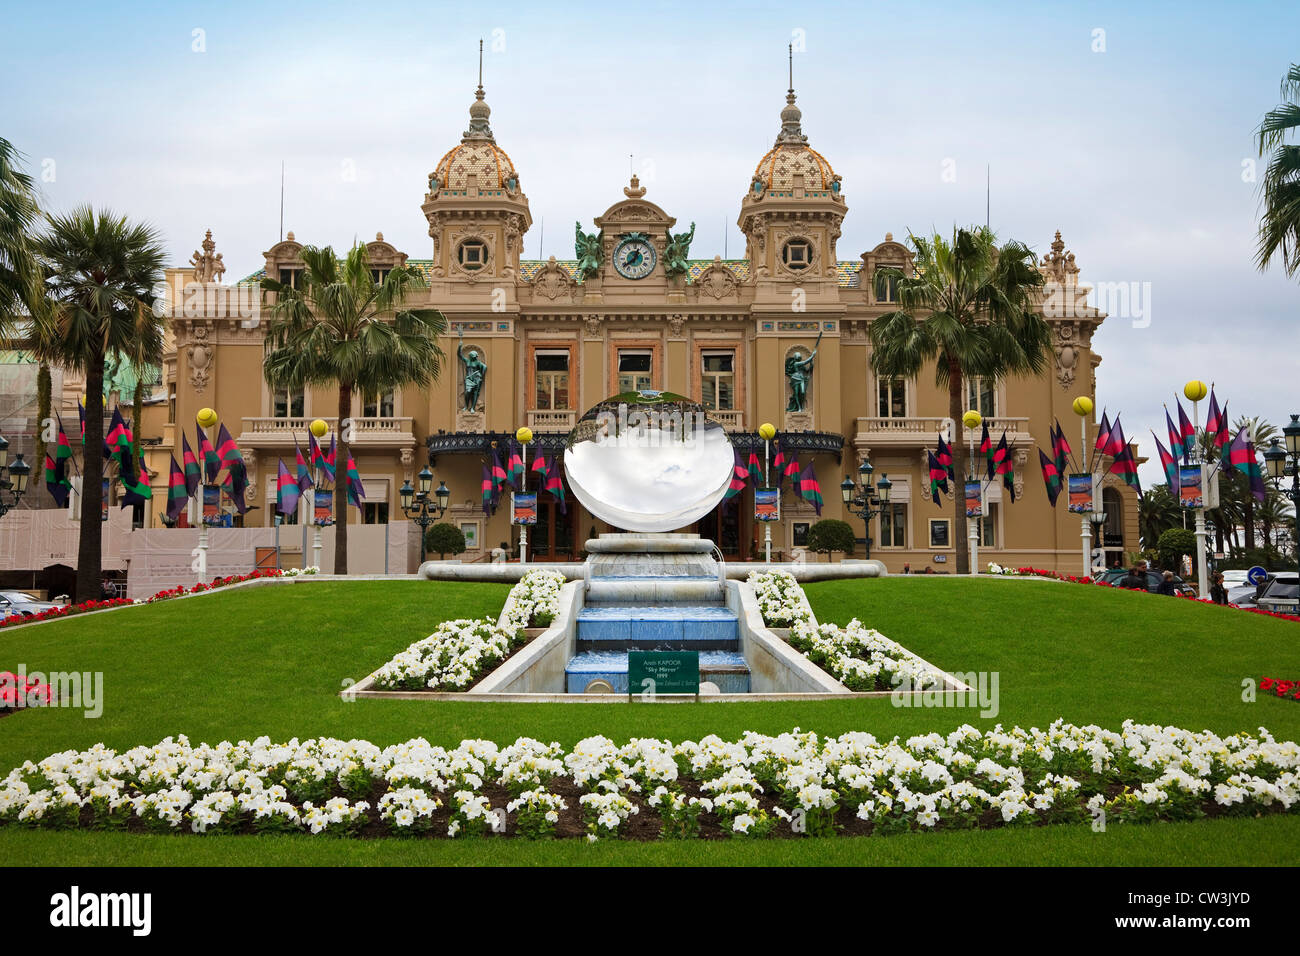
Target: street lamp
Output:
[(419, 506), (16, 482), (861, 499), (1285, 461)]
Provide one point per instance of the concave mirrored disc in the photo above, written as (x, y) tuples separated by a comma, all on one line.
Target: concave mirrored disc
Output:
[(649, 461)]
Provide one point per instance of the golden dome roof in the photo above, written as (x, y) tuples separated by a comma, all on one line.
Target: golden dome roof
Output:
[(477, 152), (792, 156)]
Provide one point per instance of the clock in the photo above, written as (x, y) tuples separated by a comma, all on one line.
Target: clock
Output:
[(635, 257)]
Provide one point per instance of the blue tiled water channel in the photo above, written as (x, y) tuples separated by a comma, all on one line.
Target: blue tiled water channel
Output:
[(607, 631)]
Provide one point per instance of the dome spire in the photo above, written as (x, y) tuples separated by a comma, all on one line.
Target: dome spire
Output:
[(791, 132), (479, 111)]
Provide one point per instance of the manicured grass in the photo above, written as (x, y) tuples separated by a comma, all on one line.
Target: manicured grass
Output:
[(1268, 841), (271, 660)]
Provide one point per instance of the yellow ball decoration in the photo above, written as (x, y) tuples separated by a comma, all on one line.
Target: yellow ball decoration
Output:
[(767, 431), (1082, 406), (972, 419), (524, 435), (206, 417), (1195, 390), (319, 428)]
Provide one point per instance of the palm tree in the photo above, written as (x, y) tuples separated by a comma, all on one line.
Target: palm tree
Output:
[(1273, 513), (341, 325), (969, 308), (102, 277), (19, 270), (1279, 227), (1157, 513)]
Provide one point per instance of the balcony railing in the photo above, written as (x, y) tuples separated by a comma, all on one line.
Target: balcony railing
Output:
[(920, 430), (551, 420), (385, 430), (730, 419)]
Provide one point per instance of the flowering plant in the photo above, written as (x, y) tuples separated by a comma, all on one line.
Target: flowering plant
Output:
[(859, 657), (458, 652), (22, 691), (1280, 688), (49, 614), (747, 788)]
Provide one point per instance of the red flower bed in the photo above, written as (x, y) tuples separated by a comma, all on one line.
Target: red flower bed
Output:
[(1080, 579), (22, 691), (1282, 688), (178, 591), (181, 590), (15, 619)]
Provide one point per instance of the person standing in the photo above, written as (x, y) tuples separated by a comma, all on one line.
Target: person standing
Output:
[(1135, 580), (1218, 592), (1167, 585)]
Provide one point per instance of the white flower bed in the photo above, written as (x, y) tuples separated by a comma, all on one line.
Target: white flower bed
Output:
[(859, 657), (458, 652), (792, 784)]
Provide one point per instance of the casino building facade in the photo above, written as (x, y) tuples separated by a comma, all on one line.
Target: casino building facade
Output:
[(633, 311)]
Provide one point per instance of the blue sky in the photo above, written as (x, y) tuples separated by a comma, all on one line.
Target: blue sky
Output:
[(1134, 153)]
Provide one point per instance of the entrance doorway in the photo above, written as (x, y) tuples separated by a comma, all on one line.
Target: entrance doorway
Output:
[(552, 538), (725, 526)]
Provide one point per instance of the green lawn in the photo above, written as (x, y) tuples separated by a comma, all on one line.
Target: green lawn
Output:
[(271, 660)]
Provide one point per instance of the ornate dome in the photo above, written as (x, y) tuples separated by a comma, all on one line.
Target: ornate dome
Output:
[(477, 152), (792, 156)]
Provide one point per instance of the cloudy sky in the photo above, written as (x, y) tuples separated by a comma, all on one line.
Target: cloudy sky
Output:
[(1130, 130)]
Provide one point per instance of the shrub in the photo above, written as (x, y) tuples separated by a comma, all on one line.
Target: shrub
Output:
[(831, 535), (444, 539), (1173, 544)]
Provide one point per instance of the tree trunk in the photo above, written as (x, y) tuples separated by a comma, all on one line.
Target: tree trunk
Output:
[(341, 482), (90, 542), (959, 466), (43, 398)]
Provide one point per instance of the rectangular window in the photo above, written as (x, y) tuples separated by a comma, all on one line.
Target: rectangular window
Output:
[(286, 403), (171, 408), (886, 286), (981, 395), (290, 277), (552, 374), (718, 380), (633, 370), (377, 405), (892, 398), (379, 275), (893, 525), (989, 527), (374, 512)]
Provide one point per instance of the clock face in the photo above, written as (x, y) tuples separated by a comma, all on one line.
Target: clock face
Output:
[(634, 258)]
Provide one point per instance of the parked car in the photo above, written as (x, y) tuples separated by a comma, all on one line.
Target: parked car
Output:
[(1281, 595), (19, 602), (1242, 594), (1234, 578), (1113, 576)]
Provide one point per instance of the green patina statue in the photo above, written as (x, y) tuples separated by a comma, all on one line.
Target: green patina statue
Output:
[(587, 250), (475, 373), (799, 372), (676, 250)]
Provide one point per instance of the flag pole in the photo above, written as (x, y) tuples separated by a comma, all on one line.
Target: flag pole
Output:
[(1197, 389)]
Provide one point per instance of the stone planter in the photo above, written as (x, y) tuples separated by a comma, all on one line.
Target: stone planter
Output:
[(781, 632), (532, 632)]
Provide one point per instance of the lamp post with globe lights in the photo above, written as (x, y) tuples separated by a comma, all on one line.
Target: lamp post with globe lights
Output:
[(422, 507), (523, 435), (767, 431), (16, 481), (1283, 461), (320, 428), (866, 499), (205, 419)]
